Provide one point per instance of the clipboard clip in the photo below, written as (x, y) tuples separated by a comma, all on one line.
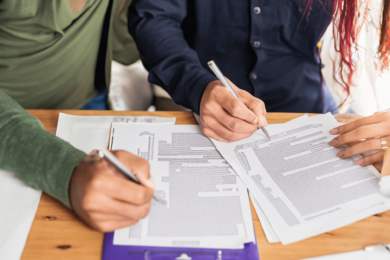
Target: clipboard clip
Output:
[(148, 255), (186, 257), (183, 257)]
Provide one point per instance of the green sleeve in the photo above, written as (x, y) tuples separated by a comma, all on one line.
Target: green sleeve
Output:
[(39, 158), (124, 48)]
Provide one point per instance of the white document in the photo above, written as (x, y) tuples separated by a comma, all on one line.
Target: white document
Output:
[(301, 185), (18, 204), (208, 205), (380, 253), (267, 228), (91, 132)]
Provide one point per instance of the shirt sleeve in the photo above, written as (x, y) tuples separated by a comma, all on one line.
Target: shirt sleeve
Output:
[(36, 156), (172, 64)]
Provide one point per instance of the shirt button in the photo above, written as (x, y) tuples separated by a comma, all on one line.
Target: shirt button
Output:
[(254, 76), (257, 10), (256, 44)]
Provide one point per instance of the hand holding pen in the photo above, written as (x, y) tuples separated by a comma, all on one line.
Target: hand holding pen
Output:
[(104, 198), (226, 118)]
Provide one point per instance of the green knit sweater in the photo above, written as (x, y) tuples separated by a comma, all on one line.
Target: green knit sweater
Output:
[(48, 56), (39, 158)]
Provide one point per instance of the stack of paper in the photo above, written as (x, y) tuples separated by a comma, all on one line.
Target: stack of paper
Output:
[(91, 132), (208, 205), (299, 187)]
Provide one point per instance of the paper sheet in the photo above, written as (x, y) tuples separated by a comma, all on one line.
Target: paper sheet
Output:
[(267, 228), (301, 185), (208, 205), (19, 204), (91, 132)]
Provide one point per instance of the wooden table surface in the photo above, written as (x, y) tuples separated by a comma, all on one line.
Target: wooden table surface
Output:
[(57, 234)]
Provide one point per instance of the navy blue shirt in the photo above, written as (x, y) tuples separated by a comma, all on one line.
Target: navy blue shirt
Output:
[(265, 47)]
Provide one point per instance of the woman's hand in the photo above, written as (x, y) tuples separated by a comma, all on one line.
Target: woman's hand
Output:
[(364, 135)]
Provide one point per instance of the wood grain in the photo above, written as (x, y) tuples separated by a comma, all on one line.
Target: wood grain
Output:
[(58, 234)]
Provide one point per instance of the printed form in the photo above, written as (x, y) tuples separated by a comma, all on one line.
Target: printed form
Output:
[(91, 132), (301, 185), (208, 205)]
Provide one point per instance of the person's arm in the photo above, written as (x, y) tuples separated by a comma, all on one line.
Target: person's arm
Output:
[(98, 194), (39, 158), (173, 65)]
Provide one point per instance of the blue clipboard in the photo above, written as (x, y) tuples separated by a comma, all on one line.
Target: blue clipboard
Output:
[(116, 252)]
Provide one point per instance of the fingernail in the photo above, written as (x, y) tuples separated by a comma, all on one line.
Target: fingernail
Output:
[(255, 120), (334, 131), (340, 154), (333, 142), (360, 162)]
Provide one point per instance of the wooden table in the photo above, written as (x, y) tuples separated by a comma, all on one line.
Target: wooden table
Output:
[(57, 234)]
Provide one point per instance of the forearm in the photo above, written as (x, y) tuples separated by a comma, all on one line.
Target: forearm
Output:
[(39, 158), (172, 64)]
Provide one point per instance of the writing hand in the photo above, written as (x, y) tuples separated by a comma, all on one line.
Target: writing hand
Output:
[(104, 199), (226, 118)]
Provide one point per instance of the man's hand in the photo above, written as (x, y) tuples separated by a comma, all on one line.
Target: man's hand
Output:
[(105, 199), (226, 118)]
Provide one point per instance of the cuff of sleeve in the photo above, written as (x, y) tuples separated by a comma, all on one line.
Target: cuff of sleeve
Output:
[(64, 176), (197, 90)]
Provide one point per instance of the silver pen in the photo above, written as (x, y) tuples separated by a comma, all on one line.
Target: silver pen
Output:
[(226, 84), (105, 153)]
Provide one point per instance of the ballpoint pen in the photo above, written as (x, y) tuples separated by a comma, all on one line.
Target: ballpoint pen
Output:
[(105, 153), (226, 84)]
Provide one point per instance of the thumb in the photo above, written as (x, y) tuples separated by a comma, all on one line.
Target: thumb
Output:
[(254, 104), (146, 182)]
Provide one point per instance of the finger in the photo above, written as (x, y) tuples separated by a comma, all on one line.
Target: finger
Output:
[(354, 143), (235, 106), (358, 142), (347, 118), (374, 119), (222, 131), (255, 105), (362, 147), (107, 205), (122, 189), (362, 132), (137, 165), (234, 124), (103, 216), (371, 159), (110, 226)]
